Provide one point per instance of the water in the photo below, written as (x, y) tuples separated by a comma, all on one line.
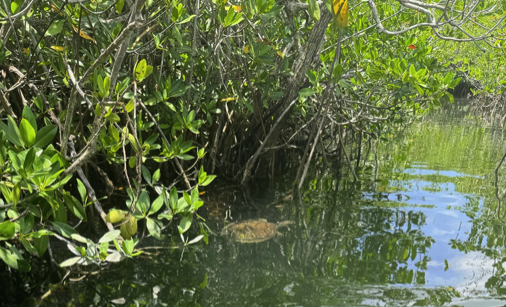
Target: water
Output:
[(418, 231)]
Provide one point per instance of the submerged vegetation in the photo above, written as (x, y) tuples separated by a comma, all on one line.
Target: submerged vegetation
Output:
[(144, 103)]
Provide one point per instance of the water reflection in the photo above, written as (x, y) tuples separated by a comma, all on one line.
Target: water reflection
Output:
[(418, 230)]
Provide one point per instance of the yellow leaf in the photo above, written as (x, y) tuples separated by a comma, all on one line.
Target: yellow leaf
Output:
[(82, 34), (280, 54), (341, 11), (57, 48), (26, 50), (237, 8), (228, 99), (246, 49)]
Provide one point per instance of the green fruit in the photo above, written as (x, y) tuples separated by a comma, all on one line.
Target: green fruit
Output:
[(116, 216), (129, 228)]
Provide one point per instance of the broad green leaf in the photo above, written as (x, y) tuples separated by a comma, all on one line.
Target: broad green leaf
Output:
[(314, 10), (173, 198), (185, 223), (208, 180), (140, 70), (55, 27), (156, 176), (45, 136), (156, 205), (119, 6), (82, 190), (7, 230), (143, 202), (146, 174), (154, 228), (114, 257), (27, 132), (128, 246), (70, 262), (75, 206), (29, 158), (187, 19), (14, 261), (195, 195), (306, 92), (196, 239), (41, 244), (64, 229), (229, 18), (109, 236), (15, 5), (28, 115)]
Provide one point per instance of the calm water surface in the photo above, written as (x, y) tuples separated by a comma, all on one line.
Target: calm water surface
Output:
[(418, 231)]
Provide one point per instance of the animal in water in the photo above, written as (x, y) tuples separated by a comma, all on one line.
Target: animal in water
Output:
[(253, 231)]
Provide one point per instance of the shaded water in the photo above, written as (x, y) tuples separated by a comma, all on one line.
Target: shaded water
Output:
[(418, 231)]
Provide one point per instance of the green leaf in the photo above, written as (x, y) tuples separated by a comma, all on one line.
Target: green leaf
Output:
[(143, 202), (70, 262), (29, 158), (154, 228), (109, 236), (167, 216), (195, 195), (45, 136), (28, 115), (187, 19), (13, 260), (7, 230), (27, 132), (208, 180), (146, 174), (157, 204), (10, 135), (55, 27), (113, 117), (82, 190), (64, 229), (13, 128), (119, 6), (140, 70), (16, 163), (128, 246), (187, 198), (15, 5), (229, 18), (448, 78), (75, 207), (185, 223), (156, 176), (306, 92), (314, 10), (41, 244), (173, 198)]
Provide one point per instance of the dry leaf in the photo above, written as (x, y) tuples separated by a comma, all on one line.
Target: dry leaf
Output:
[(341, 11), (83, 35), (57, 48)]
